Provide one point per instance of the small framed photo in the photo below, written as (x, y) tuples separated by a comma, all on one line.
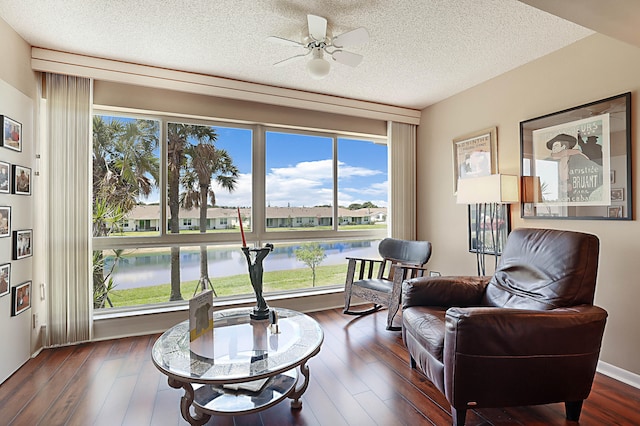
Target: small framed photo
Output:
[(22, 244), (20, 298), (615, 211), (21, 180), (617, 194), (11, 134), (5, 221), (5, 177), (5, 279)]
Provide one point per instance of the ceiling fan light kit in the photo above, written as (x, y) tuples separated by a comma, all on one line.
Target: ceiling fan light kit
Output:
[(317, 43), (318, 68)]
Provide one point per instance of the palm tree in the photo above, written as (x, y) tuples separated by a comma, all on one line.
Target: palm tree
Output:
[(124, 164), (192, 166), (206, 162), (125, 168)]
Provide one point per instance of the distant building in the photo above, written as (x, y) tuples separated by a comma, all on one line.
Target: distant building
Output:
[(147, 217)]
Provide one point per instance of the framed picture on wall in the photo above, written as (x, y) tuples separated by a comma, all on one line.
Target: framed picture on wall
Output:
[(489, 227), (22, 244), (475, 155), (21, 180), (5, 177), (20, 298), (617, 194), (5, 221), (574, 156), (615, 211), (5, 279), (11, 133)]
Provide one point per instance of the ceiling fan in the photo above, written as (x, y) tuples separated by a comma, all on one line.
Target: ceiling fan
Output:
[(318, 43)]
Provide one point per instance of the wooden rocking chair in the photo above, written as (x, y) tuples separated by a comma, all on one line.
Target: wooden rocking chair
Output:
[(401, 259)]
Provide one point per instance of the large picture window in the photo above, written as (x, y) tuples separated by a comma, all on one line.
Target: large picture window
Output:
[(166, 214)]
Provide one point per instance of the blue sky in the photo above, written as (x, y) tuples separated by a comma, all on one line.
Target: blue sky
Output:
[(299, 170)]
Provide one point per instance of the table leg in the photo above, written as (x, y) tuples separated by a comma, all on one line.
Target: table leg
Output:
[(297, 393), (185, 403)]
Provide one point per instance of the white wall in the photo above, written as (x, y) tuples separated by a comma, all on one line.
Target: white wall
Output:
[(17, 88), (591, 69), (15, 332)]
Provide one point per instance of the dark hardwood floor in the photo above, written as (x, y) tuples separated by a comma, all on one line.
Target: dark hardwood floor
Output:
[(360, 377)]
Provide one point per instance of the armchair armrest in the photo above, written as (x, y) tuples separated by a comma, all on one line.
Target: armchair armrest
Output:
[(491, 331), (550, 355), (444, 291)]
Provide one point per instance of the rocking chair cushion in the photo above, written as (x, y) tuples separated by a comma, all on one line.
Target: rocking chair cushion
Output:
[(382, 285)]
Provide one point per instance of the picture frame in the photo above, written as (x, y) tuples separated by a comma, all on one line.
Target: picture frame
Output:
[(21, 180), (617, 194), (11, 133), (495, 235), (22, 244), (474, 155), (20, 298), (5, 178), (5, 279), (615, 211), (5, 221), (570, 156)]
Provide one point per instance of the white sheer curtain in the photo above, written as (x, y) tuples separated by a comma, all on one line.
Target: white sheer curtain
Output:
[(402, 141), (67, 158)]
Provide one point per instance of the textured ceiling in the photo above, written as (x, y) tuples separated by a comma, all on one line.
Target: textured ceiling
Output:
[(419, 52)]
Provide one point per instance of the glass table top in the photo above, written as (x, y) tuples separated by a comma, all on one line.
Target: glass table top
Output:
[(240, 350)]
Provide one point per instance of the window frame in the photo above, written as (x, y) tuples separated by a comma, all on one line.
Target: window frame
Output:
[(258, 233)]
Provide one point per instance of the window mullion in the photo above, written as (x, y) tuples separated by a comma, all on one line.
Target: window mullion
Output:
[(335, 183)]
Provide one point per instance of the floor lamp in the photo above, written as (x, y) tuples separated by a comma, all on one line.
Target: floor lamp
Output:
[(488, 195)]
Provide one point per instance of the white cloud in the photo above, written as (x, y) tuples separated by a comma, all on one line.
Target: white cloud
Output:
[(241, 196), (307, 183), (345, 171)]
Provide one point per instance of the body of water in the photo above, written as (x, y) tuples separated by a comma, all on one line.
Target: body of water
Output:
[(148, 268)]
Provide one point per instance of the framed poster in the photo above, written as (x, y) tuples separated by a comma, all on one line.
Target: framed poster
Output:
[(11, 133), (488, 235), (475, 155), (5, 279), (573, 156), (5, 177), (21, 180), (20, 298), (22, 244), (5, 221)]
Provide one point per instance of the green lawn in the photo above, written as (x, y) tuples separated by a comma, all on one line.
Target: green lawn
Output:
[(234, 285)]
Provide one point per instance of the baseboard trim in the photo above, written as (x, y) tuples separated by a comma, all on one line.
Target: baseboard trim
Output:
[(619, 374)]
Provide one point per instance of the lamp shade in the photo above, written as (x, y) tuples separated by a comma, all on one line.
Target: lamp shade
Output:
[(501, 189), (531, 191)]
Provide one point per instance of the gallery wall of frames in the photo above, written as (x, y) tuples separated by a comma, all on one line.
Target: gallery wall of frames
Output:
[(17, 320)]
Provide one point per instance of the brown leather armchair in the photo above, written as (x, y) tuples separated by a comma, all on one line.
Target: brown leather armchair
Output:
[(528, 335)]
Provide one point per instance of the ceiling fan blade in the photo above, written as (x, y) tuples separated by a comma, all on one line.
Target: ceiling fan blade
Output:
[(347, 58), (351, 38), (289, 60), (317, 27), (284, 41)]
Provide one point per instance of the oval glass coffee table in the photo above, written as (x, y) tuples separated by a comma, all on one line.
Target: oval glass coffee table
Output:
[(245, 367)]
